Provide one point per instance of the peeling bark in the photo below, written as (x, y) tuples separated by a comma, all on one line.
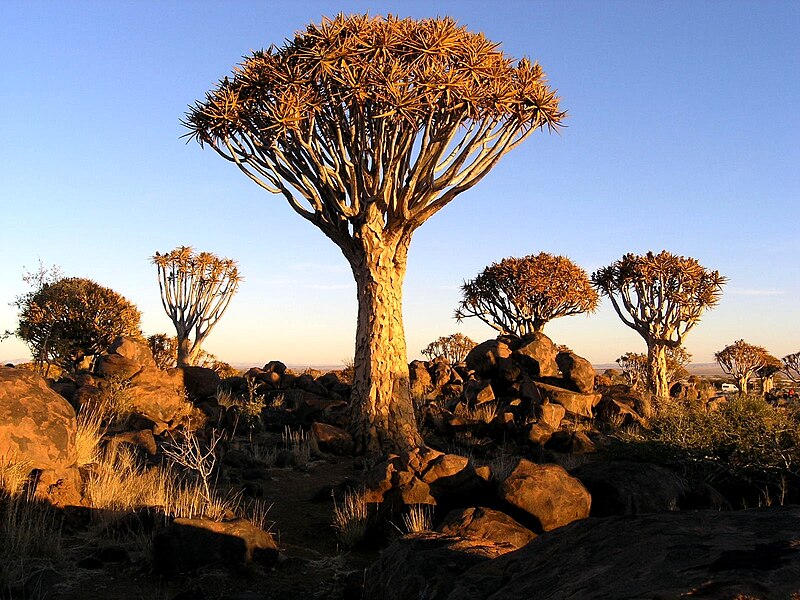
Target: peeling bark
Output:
[(657, 383), (382, 418)]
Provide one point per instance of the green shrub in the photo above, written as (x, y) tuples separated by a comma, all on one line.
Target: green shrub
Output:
[(745, 442)]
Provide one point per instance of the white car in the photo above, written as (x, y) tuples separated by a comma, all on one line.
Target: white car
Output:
[(729, 388)]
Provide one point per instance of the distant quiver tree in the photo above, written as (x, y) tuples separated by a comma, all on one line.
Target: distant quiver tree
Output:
[(742, 361), (791, 366), (634, 366), (521, 295), (452, 348), (196, 289), (661, 297), (368, 126)]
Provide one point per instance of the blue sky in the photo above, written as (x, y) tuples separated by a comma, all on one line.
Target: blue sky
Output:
[(683, 134)]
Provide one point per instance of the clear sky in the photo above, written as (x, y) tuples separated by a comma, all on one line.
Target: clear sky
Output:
[(683, 134)]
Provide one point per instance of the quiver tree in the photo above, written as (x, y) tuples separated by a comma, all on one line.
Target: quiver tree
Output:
[(634, 366), (766, 374), (196, 289), (791, 366), (661, 297), (69, 319), (742, 361), (452, 348), (521, 295), (368, 126)]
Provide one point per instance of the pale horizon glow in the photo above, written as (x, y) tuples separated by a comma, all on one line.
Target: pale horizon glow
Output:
[(682, 135)]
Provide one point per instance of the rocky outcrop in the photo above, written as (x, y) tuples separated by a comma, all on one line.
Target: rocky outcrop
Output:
[(701, 554), (36, 424), (425, 565), (188, 544)]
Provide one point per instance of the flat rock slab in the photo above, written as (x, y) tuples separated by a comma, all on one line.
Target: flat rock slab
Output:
[(702, 554)]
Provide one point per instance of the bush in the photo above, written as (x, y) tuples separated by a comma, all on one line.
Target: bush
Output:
[(745, 443), (71, 318)]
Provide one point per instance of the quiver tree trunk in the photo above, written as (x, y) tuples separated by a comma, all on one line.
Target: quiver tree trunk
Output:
[(657, 383), (383, 417)]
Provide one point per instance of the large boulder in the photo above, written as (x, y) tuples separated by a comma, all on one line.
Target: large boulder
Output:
[(36, 423), (133, 349), (486, 524), (485, 358), (427, 565), (577, 370), (545, 496), (698, 554), (537, 353), (200, 382), (575, 403), (189, 544), (630, 488)]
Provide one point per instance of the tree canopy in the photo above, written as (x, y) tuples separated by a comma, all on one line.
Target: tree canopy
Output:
[(72, 318), (521, 295), (742, 360), (359, 114)]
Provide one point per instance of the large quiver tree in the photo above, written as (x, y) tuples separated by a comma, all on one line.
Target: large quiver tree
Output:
[(742, 361), (521, 295), (368, 126), (661, 297)]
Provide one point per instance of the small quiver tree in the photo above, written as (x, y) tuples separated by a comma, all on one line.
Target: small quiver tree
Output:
[(368, 126), (634, 367), (452, 348), (521, 295), (71, 319), (196, 289), (791, 366), (767, 373), (661, 297), (742, 361)]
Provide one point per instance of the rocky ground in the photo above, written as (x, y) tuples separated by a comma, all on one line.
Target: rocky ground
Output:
[(519, 491)]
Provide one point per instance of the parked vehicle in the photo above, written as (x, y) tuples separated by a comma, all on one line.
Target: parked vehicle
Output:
[(729, 388)]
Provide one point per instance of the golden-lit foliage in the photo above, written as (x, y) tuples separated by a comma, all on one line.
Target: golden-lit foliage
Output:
[(452, 348), (196, 289), (363, 115), (521, 295), (662, 295), (74, 317), (742, 360)]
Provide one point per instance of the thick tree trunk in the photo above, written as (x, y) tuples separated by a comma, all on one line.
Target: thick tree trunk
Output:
[(185, 358), (657, 383), (383, 417)]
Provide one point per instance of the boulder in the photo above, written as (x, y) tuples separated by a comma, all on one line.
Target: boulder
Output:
[(426, 565), (546, 496), (629, 488), (478, 392), (575, 403), (135, 350), (36, 424), (116, 366), (484, 358), (157, 403), (550, 414), (537, 354), (573, 442), (699, 554), (540, 433), (200, 382), (486, 524), (420, 379), (332, 439), (577, 370), (188, 544)]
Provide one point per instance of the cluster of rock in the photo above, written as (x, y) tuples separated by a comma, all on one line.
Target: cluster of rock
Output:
[(527, 500), (530, 384)]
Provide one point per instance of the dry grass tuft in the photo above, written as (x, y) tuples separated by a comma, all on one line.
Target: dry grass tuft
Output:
[(419, 518), (351, 518)]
